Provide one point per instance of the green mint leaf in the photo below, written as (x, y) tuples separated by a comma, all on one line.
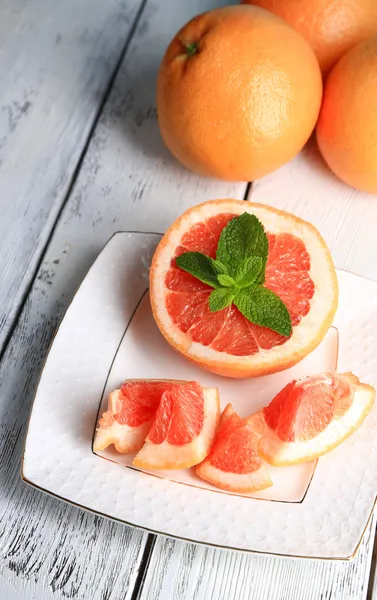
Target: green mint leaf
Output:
[(249, 271), (242, 238), (225, 280), (219, 267), (200, 266), (221, 298), (262, 307)]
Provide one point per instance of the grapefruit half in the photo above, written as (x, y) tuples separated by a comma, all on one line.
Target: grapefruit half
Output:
[(308, 418), (233, 463), (299, 270)]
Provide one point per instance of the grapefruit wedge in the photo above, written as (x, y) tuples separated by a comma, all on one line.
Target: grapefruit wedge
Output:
[(308, 418), (183, 429), (233, 463), (299, 270), (129, 416)]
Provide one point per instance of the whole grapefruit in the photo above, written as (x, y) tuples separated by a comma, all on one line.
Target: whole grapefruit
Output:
[(238, 93), (332, 27), (347, 125)]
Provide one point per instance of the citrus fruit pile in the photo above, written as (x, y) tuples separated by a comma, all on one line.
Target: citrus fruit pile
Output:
[(175, 425), (299, 270), (232, 105)]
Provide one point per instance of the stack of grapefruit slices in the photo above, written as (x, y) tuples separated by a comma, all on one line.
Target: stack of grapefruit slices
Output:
[(175, 425), (170, 424)]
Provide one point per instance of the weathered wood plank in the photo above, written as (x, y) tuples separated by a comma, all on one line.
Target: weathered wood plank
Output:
[(56, 62), (187, 572), (372, 586), (127, 166), (127, 181), (346, 218)]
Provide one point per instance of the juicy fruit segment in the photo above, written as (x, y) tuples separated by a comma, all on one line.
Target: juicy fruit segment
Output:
[(130, 414), (180, 415), (183, 430), (287, 274), (304, 408), (233, 463), (311, 417)]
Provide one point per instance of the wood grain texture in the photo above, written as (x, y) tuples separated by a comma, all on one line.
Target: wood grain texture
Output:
[(372, 587), (182, 571), (127, 181), (56, 61)]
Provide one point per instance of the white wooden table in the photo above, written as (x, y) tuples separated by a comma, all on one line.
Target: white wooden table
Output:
[(80, 158)]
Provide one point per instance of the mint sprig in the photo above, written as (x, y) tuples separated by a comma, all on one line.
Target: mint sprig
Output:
[(262, 307), (238, 273), (221, 298), (200, 266), (243, 238)]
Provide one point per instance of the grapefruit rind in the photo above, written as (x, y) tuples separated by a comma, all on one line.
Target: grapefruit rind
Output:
[(279, 453), (235, 482), (306, 336), (126, 440), (166, 456)]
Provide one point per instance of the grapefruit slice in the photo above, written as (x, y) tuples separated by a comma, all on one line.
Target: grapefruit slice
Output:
[(129, 416), (308, 418), (183, 430), (233, 463), (299, 270)]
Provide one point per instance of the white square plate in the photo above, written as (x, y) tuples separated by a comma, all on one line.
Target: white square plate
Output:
[(108, 335)]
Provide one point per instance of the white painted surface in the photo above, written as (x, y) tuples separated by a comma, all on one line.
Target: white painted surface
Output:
[(56, 61), (9, 593), (346, 218), (49, 550)]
